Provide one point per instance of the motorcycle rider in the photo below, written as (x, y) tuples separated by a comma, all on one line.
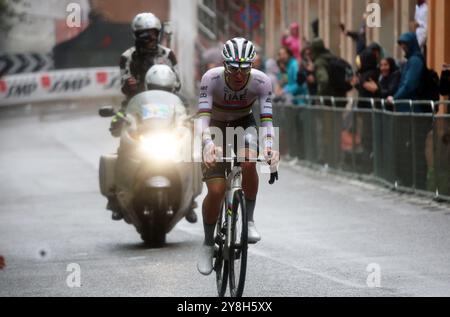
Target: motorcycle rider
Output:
[(137, 60), (134, 65)]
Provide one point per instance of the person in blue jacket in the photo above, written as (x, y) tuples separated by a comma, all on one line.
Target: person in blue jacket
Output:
[(411, 84), (412, 73), (288, 77)]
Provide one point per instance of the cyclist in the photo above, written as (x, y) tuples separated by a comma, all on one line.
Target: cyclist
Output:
[(227, 96)]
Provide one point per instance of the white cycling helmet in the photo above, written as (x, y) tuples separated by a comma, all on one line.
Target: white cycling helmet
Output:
[(145, 21), (239, 52), (161, 77)]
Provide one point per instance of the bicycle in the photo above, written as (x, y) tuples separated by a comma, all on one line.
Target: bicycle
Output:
[(230, 246)]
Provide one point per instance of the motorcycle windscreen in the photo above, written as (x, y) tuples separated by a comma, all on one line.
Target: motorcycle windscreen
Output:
[(154, 110)]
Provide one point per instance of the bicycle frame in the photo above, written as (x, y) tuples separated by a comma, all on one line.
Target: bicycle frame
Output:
[(234, 183)]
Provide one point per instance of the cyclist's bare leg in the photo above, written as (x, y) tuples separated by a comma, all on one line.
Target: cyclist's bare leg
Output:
[(250, 180), (211, 207), (250, 184)]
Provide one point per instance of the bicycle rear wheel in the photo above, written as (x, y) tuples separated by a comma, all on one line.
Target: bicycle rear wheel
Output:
[(220, 264), (238, 246)]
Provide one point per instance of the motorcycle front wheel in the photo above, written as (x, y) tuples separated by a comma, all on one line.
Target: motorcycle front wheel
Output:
[(155, 219)]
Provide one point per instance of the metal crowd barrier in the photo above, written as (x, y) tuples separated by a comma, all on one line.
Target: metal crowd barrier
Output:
[(405, 145)]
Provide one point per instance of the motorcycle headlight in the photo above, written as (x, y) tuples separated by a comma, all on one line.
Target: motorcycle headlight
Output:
[(162, 146)]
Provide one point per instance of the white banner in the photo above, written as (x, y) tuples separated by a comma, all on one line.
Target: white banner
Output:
[(60, 84)]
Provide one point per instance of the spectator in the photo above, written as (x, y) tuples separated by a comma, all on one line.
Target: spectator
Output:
[(367, 86), (292, 40), (411, 84), (282, 76), (322, 56), (259, 61), (306, 72), (389, 77), (378, 51), (412, 73), (421, 24), (212, 57), (289, 69), (359, 37), (281, 81), (315, 28), (445, 80), (272, 70), (388, 81), (368, 75)]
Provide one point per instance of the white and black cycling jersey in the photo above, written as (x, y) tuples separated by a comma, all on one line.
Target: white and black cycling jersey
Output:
[(217, 101)]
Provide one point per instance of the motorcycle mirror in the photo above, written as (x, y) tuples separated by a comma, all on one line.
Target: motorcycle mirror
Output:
[(106, 112), (167, 27)]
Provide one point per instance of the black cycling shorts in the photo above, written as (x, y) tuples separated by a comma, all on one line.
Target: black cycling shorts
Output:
[(249, 140)]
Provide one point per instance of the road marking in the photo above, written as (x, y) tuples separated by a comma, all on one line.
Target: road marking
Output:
[(137, 258)]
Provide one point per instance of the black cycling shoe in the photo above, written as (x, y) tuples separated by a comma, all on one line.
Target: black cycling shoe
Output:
[(191, 217)]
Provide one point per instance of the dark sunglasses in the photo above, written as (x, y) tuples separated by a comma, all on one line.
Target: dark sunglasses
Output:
[(147, 36)]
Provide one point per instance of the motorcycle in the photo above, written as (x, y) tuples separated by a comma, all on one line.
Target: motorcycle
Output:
[(152, 176)]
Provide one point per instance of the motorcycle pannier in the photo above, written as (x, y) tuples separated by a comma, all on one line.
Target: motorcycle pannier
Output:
[(107, 173)]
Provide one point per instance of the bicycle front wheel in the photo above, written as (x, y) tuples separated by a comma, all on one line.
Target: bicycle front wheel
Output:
[(220, 264), (238, 246)]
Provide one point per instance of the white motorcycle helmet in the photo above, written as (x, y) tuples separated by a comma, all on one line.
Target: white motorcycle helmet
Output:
[(145, 21), (144, 26), (161, 77)]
